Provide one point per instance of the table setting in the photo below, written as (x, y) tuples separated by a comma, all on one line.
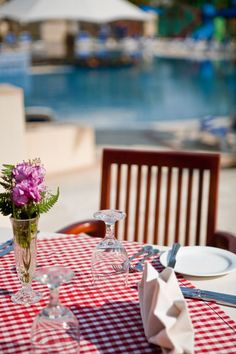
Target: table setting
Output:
[(109, 315), (83, 294)]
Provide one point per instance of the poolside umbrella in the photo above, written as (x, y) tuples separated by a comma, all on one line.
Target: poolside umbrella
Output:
[(95, 11)]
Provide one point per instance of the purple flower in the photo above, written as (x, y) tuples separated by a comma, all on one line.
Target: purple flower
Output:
[(19, 196), (26, 195), (26, 170), (25, 192), (29, 183)]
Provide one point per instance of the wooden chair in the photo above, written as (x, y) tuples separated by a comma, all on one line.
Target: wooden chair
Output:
[(167, 195)]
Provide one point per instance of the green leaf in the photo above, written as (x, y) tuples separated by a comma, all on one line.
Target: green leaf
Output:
[(7, 170), (5, 204), (7, 165), (6, 177), (45, 205), (5, 185)]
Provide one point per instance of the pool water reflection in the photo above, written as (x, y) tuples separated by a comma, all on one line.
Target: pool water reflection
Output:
[(169, 89)]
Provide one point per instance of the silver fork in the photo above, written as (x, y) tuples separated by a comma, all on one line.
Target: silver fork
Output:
[(145, 249), (139, 266)]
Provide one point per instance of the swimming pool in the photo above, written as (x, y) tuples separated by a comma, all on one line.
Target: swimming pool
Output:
[(168, 89)]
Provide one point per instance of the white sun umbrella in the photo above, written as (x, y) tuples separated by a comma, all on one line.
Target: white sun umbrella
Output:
[(95, 11)]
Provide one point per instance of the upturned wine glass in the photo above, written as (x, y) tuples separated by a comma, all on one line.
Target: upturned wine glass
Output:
[(55, 329), (110, 262)]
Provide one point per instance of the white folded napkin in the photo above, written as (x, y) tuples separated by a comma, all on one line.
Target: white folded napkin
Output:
[(164, 312)]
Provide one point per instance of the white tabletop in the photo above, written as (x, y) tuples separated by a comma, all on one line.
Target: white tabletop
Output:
[(223, 284)]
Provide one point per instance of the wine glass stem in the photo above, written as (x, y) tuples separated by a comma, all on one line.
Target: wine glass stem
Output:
[(54, 297), (109, 231), (26, 287)]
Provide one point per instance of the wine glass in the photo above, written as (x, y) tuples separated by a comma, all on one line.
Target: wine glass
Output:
[(110, 260), (55, 329)]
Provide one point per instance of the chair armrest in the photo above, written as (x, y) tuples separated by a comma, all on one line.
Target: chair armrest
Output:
[(91, 227), (224, 240)]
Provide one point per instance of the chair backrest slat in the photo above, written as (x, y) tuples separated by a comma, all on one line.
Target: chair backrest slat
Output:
[(118, 193), (189, 205), (118, 175), (147, 205), (157, 205), (127, 202), (178, 203), (137, 206), (212, 200), (166, 194), (199, 206), (167, 209)]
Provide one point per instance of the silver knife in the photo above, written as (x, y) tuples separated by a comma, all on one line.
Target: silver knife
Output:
[(172, 255), (219, 298), (6, 244), (7, 249)]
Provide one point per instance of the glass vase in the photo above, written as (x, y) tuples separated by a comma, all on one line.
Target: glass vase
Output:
[(25, 249)]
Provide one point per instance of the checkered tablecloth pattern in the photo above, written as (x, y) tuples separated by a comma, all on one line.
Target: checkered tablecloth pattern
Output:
[(109, 317)]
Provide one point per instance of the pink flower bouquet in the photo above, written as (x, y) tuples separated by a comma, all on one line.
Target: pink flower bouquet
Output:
[(26, 195)]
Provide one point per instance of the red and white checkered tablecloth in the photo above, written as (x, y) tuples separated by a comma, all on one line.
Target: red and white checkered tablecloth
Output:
[(109, 318)]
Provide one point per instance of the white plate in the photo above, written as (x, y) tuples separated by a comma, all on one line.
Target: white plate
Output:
[(202, 261)]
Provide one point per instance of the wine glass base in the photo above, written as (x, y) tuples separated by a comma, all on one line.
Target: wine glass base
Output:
[(28, 297), (113, 279), (55, 342), (55, 334), (55, 330)]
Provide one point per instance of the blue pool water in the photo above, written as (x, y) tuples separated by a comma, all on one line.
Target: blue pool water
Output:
[(168, 89)]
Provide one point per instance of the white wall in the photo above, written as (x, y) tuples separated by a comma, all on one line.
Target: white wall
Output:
[(61, 147), (12, 125)]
